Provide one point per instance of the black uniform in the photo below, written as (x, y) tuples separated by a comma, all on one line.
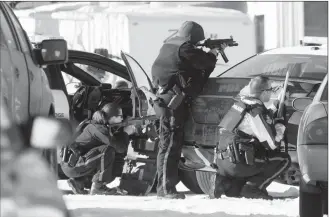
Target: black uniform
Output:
[(249, 126), (97, 148), (178, 60)]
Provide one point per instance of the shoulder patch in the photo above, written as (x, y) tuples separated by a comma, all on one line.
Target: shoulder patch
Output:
[(238, 108)]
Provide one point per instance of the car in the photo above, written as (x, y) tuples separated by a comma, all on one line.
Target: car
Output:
[(66, 81), (24, 85), (307, 65), (28, 187), (312, 149)]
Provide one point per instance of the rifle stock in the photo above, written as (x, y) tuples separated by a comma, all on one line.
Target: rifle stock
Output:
[(280, 114), (136, 121)]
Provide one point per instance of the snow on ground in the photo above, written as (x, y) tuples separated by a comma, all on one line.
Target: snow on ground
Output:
[(194, 205)]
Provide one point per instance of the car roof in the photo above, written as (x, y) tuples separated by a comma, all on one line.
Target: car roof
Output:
[(303, 50)]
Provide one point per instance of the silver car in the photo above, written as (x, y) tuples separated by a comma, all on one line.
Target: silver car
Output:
[(312, 150)]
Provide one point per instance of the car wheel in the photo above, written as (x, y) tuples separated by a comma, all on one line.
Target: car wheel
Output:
[(310, 204), (204, 181), (188, 178)]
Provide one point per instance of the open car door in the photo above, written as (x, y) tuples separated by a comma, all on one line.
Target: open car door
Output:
[(142, 86)]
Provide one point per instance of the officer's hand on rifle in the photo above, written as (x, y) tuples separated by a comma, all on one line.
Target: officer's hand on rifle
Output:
[(216, 50), (224, 46), (131, 129), (280, 129)]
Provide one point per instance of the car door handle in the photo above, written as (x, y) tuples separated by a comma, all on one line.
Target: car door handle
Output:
[(17, 72)]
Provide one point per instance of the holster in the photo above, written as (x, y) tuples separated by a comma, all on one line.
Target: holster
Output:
[(238, 150), (249, 153), (177, 98), (70, 155)]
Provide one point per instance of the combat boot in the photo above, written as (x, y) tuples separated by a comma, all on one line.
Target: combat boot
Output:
[(219, 185), (98, 188), (77, 186), (253, 192)]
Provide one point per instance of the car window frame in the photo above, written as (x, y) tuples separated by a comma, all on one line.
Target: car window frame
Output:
[(317, 97), (12, 30), (24, 39)]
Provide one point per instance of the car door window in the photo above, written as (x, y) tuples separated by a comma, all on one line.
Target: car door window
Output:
[(72, 84), (100, 74), (20, 32), (7, 36), (138, 75)]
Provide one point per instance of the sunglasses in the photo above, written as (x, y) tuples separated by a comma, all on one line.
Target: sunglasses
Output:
[(271, 89)]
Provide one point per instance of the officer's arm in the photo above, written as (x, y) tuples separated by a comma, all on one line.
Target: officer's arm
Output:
[(102, 137), (264, 129), (120, 140), (197, 57)]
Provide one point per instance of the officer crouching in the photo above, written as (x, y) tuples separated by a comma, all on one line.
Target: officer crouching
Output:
[(248, 154)]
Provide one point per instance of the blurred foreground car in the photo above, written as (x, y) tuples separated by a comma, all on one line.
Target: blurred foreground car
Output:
[(312, 149), (24, 84), (28, 187)]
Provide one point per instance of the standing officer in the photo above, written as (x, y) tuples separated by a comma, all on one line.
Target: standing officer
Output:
[(249, 156), (180, 69)]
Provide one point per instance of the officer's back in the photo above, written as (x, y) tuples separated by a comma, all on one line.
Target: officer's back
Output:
[(180, 55)]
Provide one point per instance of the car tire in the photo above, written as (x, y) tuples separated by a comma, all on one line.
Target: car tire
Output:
[(204, 181), (310, 204), (188, 178)]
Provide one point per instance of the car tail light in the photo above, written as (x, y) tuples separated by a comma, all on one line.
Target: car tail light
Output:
[(317, 132)]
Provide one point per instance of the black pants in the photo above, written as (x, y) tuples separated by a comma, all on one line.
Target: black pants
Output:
[(261, 174), (170, 146), (98, 162)]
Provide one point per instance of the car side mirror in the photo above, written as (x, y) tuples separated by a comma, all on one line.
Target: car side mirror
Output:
[(51, 51), (300, 104), (48, 133)]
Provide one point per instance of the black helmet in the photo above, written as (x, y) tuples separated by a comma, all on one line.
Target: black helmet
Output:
[(191, 30)]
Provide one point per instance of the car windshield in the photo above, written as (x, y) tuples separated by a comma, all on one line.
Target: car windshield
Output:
[(277, 65)]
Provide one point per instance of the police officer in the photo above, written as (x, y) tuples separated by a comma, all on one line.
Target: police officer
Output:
[(180, 70), (248, 155), (93, 152)]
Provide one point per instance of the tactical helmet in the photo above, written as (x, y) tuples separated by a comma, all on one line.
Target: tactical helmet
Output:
[(191, 30)]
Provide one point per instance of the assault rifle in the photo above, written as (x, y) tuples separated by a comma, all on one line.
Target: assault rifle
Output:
[(135, 121), (217, 43), (280, 117)]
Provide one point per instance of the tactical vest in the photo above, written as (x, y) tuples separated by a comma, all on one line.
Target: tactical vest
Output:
[(166, 65), (169, 70), (234, 116), (232, 145)]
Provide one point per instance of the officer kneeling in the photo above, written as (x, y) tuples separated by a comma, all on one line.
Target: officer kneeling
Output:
[(248, 154), (93, 152)]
